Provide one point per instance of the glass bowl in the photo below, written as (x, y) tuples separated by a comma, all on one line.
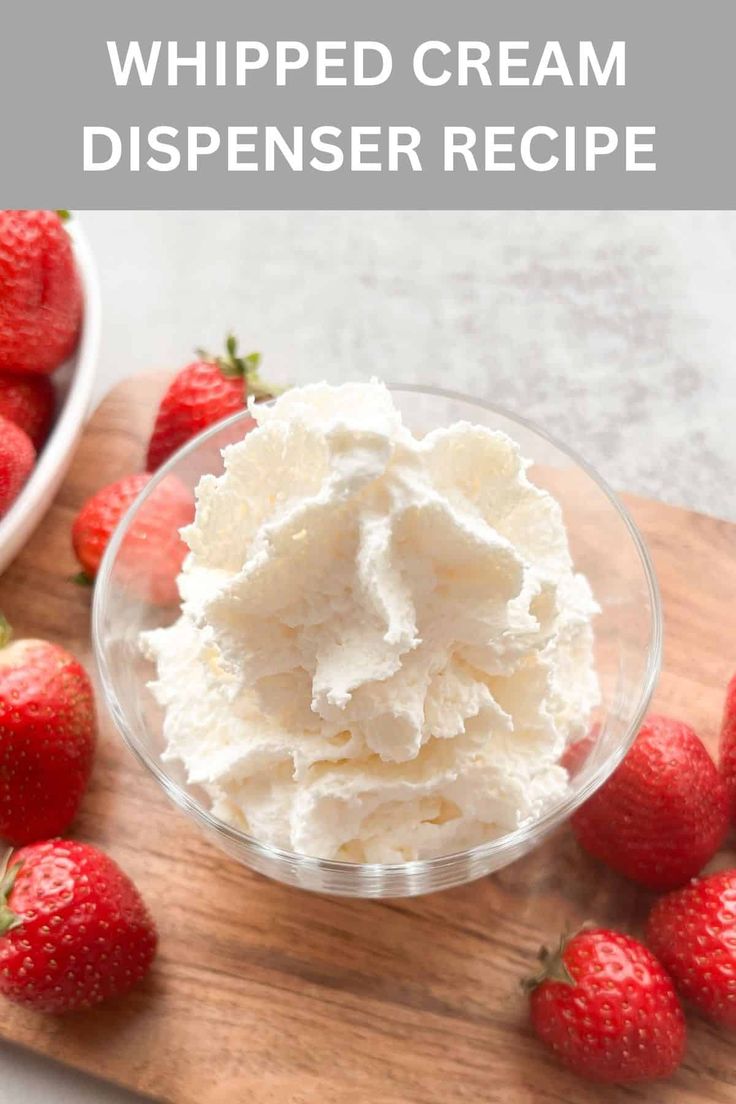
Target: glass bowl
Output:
[(130, 596)]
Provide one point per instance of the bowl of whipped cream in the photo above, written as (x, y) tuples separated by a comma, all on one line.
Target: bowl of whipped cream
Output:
[(410, 635)]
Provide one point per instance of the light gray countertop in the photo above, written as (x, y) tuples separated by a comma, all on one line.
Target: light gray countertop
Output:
[(615, 331)]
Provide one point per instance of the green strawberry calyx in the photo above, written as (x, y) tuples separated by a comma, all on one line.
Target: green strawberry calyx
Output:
[(552, 965), (246, 368), (8, 919), (82, 579), (6, 632)]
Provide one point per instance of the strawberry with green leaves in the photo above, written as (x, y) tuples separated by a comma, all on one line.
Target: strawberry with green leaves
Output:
[(74, 930), (607, 1009), (203, 393), (152, 552)]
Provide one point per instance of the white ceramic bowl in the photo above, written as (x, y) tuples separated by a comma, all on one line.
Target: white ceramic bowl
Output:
[(73, 383)]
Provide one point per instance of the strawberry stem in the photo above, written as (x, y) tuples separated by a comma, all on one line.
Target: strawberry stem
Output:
[(6, 632), (82, 579), (553, 966), (64, 215), (246, 368), (8, 918)]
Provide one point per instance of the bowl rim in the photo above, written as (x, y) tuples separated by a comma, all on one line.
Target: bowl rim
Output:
[(516, 841)]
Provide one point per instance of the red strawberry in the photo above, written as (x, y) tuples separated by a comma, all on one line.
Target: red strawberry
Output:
[(40, 292), (17, 457), (662, 814), (728, 745), (693, 932), (575, 755), (608, 1009), (29, 402), (74, 930), (201, 394), (47, 738), (152, 552)]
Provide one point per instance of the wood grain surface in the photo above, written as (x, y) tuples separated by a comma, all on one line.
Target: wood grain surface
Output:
[(268, 995)]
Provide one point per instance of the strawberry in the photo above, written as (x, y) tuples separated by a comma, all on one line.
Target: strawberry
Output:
[(47, 738), (152, 552), (29, 402), (727, 749), (576, 754), (98, 518), (201, 394), (74, 930), (693, 932), (40, 292), (662, 814), (17, 457), (607, 1009)]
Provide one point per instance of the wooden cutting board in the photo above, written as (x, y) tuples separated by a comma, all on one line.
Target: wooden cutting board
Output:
[(268, 995)]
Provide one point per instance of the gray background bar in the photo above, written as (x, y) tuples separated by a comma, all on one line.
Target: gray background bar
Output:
[(55, 76)]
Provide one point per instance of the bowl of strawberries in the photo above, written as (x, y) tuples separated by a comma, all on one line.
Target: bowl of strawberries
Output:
[(49, 337)]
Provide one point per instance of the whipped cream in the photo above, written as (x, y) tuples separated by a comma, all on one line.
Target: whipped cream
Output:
[(383, 648)]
